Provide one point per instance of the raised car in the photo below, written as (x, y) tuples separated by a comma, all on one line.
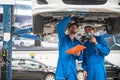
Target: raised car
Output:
[(104, 13)]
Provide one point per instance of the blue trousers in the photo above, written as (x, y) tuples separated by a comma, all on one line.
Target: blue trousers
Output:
[(66, 70), (96, 72)]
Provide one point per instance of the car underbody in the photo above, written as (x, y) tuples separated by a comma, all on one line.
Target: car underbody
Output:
[(105, 21)]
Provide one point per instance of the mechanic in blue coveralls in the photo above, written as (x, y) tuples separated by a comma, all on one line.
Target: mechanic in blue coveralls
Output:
[(93, 56), (66, 67)]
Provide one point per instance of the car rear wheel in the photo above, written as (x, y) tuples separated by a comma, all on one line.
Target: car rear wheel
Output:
[(80, 75), (113, 26), (22, 44), (49, 76)]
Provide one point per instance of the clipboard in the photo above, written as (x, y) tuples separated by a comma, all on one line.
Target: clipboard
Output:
[(75, 49)]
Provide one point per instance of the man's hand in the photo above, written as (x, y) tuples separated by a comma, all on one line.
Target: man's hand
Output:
[(93, 40), (77, 53), (72, 15), (85, 74)]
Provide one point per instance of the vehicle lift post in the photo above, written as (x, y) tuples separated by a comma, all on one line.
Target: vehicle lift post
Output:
[(6, 72)]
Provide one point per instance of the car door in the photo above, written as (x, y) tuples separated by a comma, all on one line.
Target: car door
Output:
[(24, 69)]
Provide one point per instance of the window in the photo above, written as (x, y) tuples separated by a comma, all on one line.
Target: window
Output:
[(85, 2), (32, 64), (42, 2), (15, 63)]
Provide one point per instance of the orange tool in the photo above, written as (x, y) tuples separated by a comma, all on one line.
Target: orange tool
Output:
[(75, 49)]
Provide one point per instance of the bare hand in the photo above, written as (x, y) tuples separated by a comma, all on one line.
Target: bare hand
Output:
[(85, 74), (93, 40), (72, 15), (77, 53)]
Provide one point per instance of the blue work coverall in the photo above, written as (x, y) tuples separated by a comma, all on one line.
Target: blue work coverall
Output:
[(93, 59), (66, 67)]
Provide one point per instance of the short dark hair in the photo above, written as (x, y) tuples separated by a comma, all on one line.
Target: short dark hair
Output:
[(89, 27), (71, 24)]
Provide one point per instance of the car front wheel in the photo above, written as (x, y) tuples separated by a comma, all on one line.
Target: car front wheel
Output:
[(113, 24), (119, 76), (49, 76)]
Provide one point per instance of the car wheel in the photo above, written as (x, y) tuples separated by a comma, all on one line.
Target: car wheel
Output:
[(49, 76), (38, 24), (80, 75), (113, 24), (22, 44)]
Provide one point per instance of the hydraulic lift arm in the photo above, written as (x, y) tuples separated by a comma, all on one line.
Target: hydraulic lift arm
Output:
[(25, 33), (6, 72)]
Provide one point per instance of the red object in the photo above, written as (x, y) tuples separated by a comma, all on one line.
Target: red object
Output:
[(75, 49)]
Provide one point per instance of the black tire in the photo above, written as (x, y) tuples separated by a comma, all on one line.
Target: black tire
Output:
[(117, 39), (22, 44), (113, 26), (119, 76), (38, 24), (49, 76)]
